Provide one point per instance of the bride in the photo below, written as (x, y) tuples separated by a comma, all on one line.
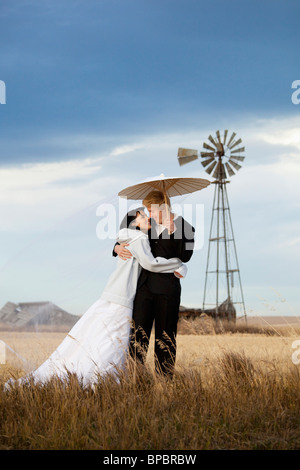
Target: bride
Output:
[(98, 343)]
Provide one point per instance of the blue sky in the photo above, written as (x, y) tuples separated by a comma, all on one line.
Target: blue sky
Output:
[(100, 94)]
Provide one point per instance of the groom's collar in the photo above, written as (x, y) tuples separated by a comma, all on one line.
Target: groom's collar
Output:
[(160, 227)]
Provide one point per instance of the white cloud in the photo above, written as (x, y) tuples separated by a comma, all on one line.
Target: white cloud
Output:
[(125, 149), (20, 183), (34, 196), (285, 137), (65, 186), (294, 242)]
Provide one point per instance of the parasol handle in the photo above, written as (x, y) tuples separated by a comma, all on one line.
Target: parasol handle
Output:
[(165, 198)]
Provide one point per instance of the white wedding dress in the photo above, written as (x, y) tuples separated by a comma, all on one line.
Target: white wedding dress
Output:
[(98, 343)]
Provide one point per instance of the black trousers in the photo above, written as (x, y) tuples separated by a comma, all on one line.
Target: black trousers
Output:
[(163, 310)]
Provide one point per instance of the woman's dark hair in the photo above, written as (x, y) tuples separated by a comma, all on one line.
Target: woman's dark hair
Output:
[(130, 216)]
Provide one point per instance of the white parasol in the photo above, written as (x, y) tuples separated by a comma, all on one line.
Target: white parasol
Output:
[(171, 186)]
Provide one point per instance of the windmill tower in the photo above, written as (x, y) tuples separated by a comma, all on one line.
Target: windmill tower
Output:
[(223, 294)]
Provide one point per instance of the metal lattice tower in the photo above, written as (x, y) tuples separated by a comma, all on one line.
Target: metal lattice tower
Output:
[(223, 294)]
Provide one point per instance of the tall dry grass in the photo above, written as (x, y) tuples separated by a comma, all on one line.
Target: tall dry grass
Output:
[(219, 398), (234, 405), (206, 325)]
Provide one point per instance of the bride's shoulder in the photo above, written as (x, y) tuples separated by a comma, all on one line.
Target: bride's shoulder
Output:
[(127, 235)]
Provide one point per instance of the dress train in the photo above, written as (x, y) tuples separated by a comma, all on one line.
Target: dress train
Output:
[(96, 345)]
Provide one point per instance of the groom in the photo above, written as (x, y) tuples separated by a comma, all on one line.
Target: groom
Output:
[(158, 294)]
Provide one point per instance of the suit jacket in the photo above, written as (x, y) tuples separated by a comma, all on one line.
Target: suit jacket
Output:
[(179, 244)]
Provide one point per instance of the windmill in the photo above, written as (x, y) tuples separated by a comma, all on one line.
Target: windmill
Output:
[(223, 294)]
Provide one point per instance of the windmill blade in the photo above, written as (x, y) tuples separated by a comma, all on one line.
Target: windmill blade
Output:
[(241, 149), (216, 172), (223, 172), (229, 169), (225, 136), (211, 167), (207, 162), (218, 136), (240, 158), (235, 165), (219, 171), (235, 143), (186, 155), (220, 151), (206, 146), (212, 140), (185, 160), (207, 154), (183, 152), (231, 139)]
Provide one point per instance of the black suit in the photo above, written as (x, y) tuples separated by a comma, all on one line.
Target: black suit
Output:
[(158, 298)]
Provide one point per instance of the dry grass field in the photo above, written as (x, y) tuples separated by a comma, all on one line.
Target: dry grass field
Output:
[(233, 389)]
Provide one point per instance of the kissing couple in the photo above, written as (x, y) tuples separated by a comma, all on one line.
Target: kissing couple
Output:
[(144, 289)]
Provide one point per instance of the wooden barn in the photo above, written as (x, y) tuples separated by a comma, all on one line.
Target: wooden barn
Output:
[(226, 310), (32, 314)]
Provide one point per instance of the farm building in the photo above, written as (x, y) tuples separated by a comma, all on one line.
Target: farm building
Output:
[(27, 314), (226, 310)]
